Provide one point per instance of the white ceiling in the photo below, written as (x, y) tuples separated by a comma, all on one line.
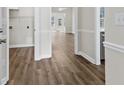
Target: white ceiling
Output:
[(60, 9)]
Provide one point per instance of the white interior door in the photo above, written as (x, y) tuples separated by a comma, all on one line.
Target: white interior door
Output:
[(4, 48)]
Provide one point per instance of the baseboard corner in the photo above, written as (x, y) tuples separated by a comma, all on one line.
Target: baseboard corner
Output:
[(90, 59)]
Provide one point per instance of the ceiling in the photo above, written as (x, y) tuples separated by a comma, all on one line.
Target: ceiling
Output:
[(60, 9)]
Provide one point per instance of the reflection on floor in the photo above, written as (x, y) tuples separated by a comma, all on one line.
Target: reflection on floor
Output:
[(63, 68)]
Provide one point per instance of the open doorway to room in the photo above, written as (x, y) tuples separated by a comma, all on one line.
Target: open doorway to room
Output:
[(21, 40), (62, 31), (61, 19)]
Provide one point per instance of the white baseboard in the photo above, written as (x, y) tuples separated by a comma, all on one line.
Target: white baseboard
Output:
[(37, 58), (90, 59), (21, 45), (3, 81), (46, 56), (43, 57)]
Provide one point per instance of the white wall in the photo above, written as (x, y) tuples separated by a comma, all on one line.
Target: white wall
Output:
[(86, 32), (43, 43), (74, 19), (19, 20), (114, 42)]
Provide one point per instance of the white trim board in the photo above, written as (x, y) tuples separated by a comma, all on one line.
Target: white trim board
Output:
[(75, 28), (21, 45), (113, 46), (97, 35), (7, 78), (4, 81), (87, 57), (43, 57), (46, 56)]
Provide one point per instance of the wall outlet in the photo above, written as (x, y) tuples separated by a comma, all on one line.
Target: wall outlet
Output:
[(27, 27)]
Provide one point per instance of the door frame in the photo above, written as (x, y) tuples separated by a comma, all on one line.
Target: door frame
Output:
[(97, 36), (7, 46), (75, 28), (36, 34)]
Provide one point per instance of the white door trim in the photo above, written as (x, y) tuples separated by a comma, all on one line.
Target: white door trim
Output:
[(75, 28), (7, 44), (37, 55), (115, 47), (97, 39), (4, 80)]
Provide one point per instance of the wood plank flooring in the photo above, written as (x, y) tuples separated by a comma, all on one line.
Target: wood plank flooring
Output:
[(64, 68)]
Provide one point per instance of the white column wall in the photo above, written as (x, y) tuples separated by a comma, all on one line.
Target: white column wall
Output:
[(43, 36)]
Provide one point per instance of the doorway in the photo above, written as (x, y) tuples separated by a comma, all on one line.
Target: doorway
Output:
[(58, 22), (64, 21), (21, 27), (100, 35), (61, 25), (21, 39)]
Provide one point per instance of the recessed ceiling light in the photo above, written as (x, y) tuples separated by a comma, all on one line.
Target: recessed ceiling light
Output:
[(61, 9)]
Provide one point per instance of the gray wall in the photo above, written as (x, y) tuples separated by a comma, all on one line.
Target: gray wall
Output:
[(114, 59), (86, 31)]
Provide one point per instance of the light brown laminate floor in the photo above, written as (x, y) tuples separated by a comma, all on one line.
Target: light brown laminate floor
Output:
[(63, 68)]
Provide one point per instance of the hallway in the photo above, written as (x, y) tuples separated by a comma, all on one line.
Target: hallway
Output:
[(63, 68)]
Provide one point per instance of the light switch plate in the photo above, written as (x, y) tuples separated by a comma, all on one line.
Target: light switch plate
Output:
[(119, 19)]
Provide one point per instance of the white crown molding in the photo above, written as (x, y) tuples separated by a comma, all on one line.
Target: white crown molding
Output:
[(114, 46)]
